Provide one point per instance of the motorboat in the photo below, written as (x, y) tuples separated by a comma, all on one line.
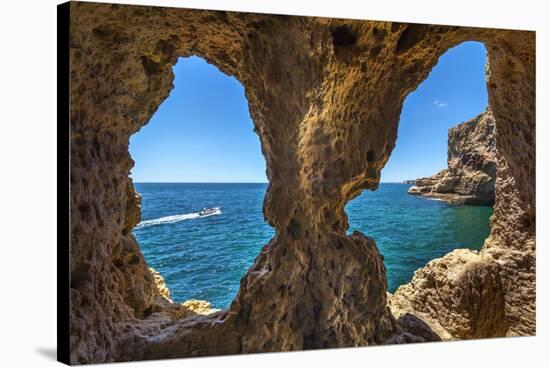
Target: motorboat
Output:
[(208, 211)]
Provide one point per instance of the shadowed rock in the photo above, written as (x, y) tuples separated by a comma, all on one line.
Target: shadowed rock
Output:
[(325, 96), (460, 296)]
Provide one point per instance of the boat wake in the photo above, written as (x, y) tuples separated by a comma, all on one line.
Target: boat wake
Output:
[(176, 218)]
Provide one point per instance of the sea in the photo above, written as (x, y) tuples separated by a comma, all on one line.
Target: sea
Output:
[(204, 257)]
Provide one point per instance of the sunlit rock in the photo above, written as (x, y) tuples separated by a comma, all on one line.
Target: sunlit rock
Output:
[(325, 96), (472, 167)]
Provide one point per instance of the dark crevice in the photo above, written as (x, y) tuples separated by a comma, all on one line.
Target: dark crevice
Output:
[(151, 67), (294, 229), (370, 155), (410, 37), (342, 36)]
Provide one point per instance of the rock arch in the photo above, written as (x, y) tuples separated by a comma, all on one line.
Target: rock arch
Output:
[(325, 96)]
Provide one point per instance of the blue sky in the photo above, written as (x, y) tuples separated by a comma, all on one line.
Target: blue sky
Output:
[(203, 132), (454, 92)]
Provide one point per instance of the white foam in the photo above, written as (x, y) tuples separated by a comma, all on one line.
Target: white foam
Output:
[(175, 218)]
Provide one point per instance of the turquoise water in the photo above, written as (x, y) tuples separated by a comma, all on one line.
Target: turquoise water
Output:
[(410, 230), (205, 257)]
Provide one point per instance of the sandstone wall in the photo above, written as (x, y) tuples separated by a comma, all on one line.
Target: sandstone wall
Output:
[(325, 96), (472, 167)]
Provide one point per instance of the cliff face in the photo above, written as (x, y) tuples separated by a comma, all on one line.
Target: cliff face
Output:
[(472, 168), (325, 96), (459, 296)]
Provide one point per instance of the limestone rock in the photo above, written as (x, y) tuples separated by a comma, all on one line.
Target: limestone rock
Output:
[(200, 307), (161, 285), (471, 159), (411, 329), (325, 96), (460, 296)]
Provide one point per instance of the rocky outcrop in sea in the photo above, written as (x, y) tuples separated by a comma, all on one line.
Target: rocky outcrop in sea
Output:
[(471, 159)]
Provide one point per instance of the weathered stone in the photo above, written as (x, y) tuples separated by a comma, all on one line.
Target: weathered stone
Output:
[(472, 167), (411, 329), (161, 285), (200, 307), (325, 96), (460, 296)]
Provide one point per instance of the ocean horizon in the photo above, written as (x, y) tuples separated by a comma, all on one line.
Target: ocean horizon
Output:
[(228, 182), (204, 257)]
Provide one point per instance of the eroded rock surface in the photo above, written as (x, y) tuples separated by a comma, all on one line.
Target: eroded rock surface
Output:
[(472, 167), (460, 296), (325, 96), (467, 295)]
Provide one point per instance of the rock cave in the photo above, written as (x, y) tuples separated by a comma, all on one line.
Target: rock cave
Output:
[(325, 96)]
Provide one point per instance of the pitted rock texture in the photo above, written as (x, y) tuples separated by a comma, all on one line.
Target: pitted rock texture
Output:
[(472, 167), (459, 296), (325, 96)]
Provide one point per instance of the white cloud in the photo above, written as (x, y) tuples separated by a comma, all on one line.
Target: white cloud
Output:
[(440, 104)]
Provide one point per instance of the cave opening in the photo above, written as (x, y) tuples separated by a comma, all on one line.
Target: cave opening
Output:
[(443, 140), (199, 151), (342, 302)]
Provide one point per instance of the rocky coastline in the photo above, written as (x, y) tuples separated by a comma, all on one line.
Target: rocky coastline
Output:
[(165, 308), (471, 160), (325, 96)]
